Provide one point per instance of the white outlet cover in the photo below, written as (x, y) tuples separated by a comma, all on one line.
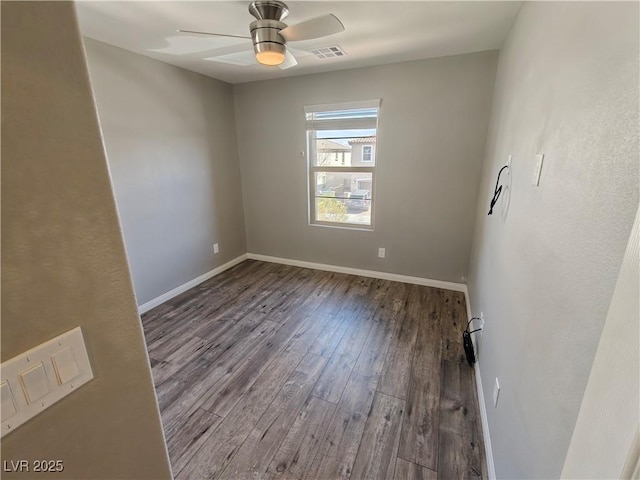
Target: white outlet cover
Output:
[(381, 252), (496, 393)]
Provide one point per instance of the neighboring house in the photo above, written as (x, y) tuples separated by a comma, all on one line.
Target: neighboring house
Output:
[(360, 153), (333, 154), (363, 151), (363, 154)]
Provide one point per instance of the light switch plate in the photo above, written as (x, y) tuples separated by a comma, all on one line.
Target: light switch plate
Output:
[(38, 378)]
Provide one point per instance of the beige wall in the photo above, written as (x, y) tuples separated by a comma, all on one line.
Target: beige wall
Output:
[(63, 258), (543, 275), (431, 138), (171, 147), (607, 425)]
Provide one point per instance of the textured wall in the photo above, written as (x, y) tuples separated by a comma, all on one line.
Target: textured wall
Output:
[(544, 273), (608, 418), (431, 137), (171, 146), (63, 258)]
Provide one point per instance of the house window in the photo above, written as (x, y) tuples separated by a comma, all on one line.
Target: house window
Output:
[(367, 153), (341, 193)]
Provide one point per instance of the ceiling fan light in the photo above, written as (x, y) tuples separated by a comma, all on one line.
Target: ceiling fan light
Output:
[(270, 53), (270, 58)]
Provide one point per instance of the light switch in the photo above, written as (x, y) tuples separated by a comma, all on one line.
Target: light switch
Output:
[(34, 383), (65, 365), (8, 405)]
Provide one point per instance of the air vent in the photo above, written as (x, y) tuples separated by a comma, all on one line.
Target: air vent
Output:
[(328, 52)]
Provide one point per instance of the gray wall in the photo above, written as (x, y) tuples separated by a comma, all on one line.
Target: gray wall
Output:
[(431, 138), (63, 258), (171, 146), (543, 275)]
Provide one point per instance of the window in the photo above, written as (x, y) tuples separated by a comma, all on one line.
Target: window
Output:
[(367, 153), (342, 192)]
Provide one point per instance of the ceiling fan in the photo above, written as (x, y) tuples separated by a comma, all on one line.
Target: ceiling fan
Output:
[(270, 35)]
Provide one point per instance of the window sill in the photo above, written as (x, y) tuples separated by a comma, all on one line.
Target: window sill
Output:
[(364, 228)]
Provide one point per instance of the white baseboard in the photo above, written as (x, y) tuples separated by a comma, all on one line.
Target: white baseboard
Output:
[(458, 287), (491, 469), (145, 307)]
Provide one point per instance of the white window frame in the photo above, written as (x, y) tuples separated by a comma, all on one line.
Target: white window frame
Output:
[(370, 154), (312, 126)]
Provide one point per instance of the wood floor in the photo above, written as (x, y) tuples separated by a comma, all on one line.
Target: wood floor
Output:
[(273, 371)]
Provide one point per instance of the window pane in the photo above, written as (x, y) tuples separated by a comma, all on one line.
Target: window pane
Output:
[(343, 197), (346, 133), (340, 114), (367, 153), (339, 210), (343, 184), (343, 148)]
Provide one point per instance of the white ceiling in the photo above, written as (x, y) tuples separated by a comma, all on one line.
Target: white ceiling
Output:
[(375, 33)]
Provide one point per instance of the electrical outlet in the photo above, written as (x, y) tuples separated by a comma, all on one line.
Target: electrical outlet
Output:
[(496, 393), (481, 320), (509, 158), (381, 252), (216, 248)]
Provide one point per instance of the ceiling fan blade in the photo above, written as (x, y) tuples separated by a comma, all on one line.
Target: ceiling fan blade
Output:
[(289, 61), (241, 58), (213, 34), (313, 28)]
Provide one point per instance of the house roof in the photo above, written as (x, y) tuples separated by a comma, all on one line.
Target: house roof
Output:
[(363, 140)]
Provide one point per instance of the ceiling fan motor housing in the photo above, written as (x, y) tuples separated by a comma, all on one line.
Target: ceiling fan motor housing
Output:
[(266, 37), (267, 43), (269, 10)]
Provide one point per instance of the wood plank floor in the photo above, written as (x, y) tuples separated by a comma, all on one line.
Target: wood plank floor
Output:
[(279, 372)]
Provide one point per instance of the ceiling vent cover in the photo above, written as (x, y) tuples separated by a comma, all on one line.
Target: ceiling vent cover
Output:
[(329, 52)]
